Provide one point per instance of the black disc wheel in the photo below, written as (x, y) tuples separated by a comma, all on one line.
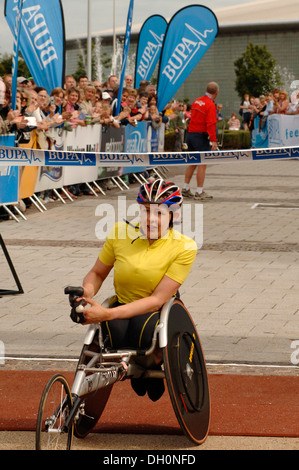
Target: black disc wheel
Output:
[(54, 409), (186, 374)]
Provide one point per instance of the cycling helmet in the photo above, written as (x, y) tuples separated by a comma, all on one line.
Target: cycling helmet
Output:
[(160, 192)]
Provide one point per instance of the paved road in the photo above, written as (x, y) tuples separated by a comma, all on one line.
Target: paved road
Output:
[(242, 290), (116, 442)]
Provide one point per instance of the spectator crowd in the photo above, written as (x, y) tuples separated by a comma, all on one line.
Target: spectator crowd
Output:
[(82, 103), (276, 102)]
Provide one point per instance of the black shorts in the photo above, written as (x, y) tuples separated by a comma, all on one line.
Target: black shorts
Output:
[(198, 141), (246, 118), (136, 332)]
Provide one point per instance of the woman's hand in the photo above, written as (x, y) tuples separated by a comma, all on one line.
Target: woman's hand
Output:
[(96, 312)]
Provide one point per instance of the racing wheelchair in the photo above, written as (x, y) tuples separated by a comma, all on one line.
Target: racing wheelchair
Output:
[(65, 411)]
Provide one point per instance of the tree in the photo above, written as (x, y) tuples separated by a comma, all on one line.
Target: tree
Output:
[(256, 71), (6, 66)]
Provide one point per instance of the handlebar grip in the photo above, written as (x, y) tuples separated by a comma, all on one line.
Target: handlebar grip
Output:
[(78, 291), (74, 293), (77, 314)]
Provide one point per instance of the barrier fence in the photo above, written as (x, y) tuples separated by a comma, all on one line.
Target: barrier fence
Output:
[(25, 171), (277, 130), (93, 153)]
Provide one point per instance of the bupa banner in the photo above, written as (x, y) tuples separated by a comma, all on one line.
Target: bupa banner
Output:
[(189, 34), (125, 55), (149, 47), (42, 39), (16, 156)]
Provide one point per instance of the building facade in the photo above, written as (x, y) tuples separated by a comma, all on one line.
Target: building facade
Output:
[(280, 38)]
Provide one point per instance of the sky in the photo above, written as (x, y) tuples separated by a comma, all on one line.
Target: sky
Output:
[(75, 14)]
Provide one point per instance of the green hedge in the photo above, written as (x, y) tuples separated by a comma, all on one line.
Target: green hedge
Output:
[(235, 140), (232, 140)]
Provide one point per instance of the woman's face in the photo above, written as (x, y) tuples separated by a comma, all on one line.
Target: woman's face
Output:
[(131, 101), (144, 100), (73, 97), (124, 97), (155, 219), (89, 94), (59, 97)]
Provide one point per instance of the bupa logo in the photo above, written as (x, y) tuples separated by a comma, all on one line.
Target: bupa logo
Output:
[(184, 52), (33, 21), (151, 50)]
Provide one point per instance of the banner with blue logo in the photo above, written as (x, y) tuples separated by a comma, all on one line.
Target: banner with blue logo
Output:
[(189, 34), (42, 39), (136, 142), (149, 47), (9, 175), (125, 55)]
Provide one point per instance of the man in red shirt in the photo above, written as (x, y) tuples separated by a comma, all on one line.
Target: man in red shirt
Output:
[(201, 137)]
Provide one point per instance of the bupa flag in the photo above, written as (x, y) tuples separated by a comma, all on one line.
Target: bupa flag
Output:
[(190, 33), (125, 55), (42, 39), (149, 48)]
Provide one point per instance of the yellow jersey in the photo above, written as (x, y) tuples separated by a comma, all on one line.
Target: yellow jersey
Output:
[(139, 266)]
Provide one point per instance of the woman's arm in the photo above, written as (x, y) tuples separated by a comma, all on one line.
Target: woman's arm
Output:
[(95, 278), (166, 288)]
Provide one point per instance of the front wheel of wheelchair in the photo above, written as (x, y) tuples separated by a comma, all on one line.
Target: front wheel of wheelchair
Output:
[(186, 374), (54, 409)]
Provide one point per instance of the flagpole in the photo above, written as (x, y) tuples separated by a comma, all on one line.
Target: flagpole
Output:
[(114, 41), (125, 55), (15, 62), (89, 73)]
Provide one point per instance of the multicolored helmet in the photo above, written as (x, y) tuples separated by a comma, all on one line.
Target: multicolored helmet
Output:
[(160, 192)]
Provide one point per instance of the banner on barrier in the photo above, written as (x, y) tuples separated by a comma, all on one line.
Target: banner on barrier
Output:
[(9, 176), (278, 131), (259, 135), (9, 184), (29, 157), (49, 177), (283, 130), (82, 139)]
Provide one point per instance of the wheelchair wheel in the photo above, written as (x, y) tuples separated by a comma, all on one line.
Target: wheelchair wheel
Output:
[(55, 406), (186, 374)]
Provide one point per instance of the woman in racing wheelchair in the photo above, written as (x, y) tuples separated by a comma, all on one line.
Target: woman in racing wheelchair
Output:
[(150, 263)]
